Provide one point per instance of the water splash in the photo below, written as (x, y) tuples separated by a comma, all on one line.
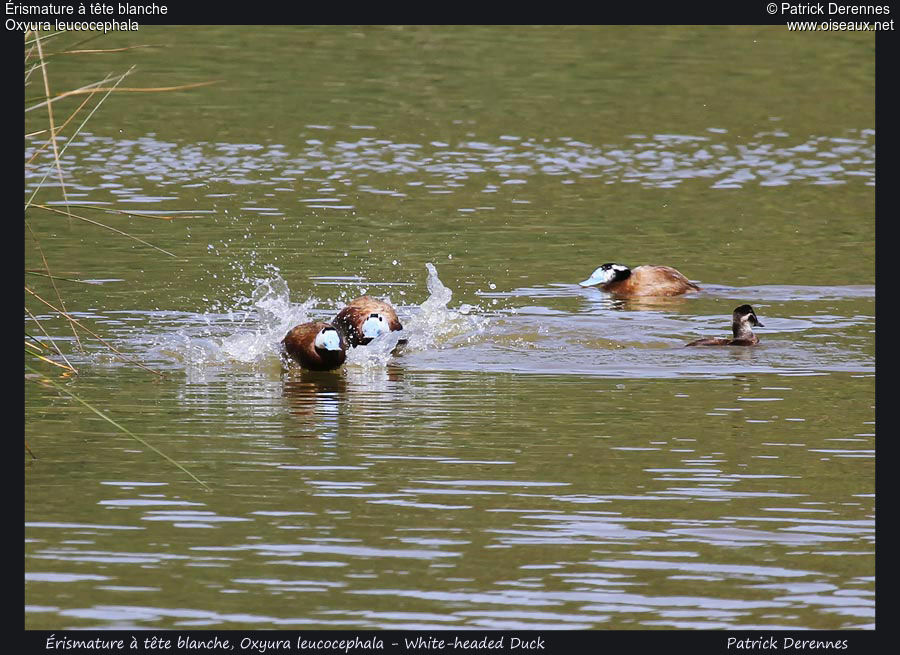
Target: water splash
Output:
[(435, 325), (440, 295), (377, 353), (251, 332), (271, 315)]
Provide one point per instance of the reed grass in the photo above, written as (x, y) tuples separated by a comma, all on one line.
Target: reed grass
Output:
[(41, 379), (45, 352)]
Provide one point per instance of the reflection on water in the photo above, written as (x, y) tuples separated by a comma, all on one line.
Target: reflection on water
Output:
[(681, 511), (590, 493), (538, 455), (560, 329), (661, 161)]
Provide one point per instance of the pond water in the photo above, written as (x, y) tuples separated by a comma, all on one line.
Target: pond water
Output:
[(539, 455)]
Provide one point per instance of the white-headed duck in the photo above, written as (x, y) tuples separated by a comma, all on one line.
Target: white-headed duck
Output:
[(316, 346), (365, 318), (741, 320), (646, 280)]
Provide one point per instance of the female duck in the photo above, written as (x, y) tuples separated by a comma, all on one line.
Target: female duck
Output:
[(741, 320), (646, 280), (365, 318), (316, 346)]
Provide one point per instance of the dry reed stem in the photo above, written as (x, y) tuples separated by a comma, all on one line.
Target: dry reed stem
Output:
[(92, 52), (71, 138), (93, 222), (61, 128), (109, 210), (62, 182), (91, 88), (52, 282), (55, 347), (90, 37), (85, 89), (93, 334), (47, 359), (46, 37), (46, 380), (34, 271), (133, 89)]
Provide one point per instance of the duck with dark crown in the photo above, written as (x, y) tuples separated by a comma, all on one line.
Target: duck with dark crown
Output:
[(316, 346), (647, 280), (365, 318), (741, 320)]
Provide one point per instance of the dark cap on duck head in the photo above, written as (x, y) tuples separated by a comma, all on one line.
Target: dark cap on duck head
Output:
[(606, 273), (747, 310)]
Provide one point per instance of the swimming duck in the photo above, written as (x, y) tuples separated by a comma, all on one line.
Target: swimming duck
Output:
[(317, 346), (645, 280), (741, 320), (365, 318)]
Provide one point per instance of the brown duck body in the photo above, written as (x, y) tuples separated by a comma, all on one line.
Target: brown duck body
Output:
[(351, 318), (741, 320), (719, 341), (300, 345), (650, 280)]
